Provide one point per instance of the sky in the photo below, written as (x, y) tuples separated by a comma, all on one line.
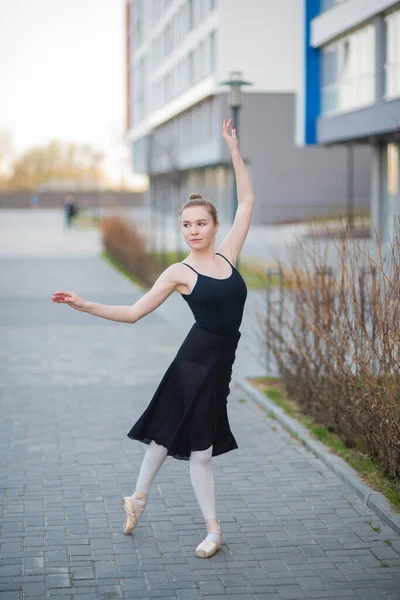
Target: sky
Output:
[(62, 65)]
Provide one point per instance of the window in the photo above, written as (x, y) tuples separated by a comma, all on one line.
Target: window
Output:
[(393, 163), (389, 207), (208, 117), (183, 21), (191, 14), (392, 67), (137, 22), (138, 89), (155, 11), (202, 62), (326, 4), (329, 79), (212, 52), (348, 72), (191, 73), (202, 8)]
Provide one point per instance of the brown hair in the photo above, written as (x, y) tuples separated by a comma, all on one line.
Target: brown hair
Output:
[(198, 200)]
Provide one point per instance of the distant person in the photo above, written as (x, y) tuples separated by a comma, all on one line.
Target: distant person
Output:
[(187, 417), (36, 200), (69, 209)]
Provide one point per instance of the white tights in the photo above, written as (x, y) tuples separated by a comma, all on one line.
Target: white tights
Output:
[(201, 475)]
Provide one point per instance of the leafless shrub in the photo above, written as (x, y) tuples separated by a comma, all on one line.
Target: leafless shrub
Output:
[(123, 242), (337, 343)]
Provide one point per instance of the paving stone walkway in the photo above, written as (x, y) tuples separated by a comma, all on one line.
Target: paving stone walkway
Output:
[(71, 387)]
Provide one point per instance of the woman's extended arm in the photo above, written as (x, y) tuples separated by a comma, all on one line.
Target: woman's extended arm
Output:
[(162, 288), (233, 242)]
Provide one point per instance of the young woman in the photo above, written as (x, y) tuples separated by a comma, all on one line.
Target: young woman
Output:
[(187, 416)]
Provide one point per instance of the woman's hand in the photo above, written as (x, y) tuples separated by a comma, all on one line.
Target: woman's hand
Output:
[(69, 298), (230, 138)]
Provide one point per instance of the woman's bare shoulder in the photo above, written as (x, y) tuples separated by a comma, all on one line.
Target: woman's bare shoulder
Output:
[(177, 272)]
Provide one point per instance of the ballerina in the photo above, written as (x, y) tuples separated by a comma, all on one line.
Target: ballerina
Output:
[(187, 416)]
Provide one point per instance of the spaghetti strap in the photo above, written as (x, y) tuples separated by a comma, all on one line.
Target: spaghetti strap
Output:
[(219, 254), (191, 268)]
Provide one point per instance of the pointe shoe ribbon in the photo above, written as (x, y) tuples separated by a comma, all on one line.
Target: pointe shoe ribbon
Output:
[(207, 547), (133, 512)]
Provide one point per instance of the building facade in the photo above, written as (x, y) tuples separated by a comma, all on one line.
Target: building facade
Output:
[(179, 53), (351, 89)]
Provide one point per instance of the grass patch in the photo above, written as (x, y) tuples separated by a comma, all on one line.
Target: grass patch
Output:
[(85, 220), (254, 276), (369, 471), (166, 259), (376, 528)]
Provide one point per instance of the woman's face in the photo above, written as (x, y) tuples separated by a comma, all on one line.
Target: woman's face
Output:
[(198, 227)]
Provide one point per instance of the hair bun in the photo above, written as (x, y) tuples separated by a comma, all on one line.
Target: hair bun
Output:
[(195, 197)]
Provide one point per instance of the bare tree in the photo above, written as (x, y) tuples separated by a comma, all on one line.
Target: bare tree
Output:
[(58, 161)]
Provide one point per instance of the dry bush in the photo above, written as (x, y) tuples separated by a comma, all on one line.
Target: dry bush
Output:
[(337, 342), (123, 242)]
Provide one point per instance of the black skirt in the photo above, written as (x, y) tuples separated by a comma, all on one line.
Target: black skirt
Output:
[(189, 408)]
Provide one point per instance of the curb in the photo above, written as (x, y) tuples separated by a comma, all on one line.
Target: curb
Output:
[(373, 499)]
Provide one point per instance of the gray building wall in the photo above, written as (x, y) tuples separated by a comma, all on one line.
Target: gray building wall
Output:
[(291, 183), (367, 122), (379, 119)]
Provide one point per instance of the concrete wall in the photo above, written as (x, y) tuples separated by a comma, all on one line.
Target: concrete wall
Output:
[(84, 199), (367, 122), (344, 17), (294, 183), (261, 39)]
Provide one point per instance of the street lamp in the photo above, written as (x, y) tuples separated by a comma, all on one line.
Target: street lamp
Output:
[(235, 83)]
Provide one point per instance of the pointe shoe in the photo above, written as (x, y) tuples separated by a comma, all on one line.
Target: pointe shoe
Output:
[(134, 510), (208, 548)]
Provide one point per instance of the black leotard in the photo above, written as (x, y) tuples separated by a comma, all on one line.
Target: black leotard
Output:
[(217, 304)]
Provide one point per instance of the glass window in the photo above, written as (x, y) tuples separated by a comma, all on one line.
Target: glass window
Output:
[(168, 39), (348, 72), (392, 67), (137, 13), (326, 4), (208, 120), (202, 61), (389, 207), (393, 160), (212, 52), (191, 14), (202, 9), (191, 73), (184, 21)]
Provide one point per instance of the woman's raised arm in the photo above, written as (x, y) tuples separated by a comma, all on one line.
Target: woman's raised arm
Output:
[(234, 240), (162, 288)]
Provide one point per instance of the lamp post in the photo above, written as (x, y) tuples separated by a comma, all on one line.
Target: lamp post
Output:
[(235, 83)]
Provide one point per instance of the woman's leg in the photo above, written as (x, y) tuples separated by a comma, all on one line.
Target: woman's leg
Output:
[(202, 479), (151, 464), (134, 505)]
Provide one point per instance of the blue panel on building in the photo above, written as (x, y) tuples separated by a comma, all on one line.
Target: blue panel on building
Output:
[(312, 74)]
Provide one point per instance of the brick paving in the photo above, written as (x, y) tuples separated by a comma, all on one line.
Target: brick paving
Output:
[(71, 387)]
